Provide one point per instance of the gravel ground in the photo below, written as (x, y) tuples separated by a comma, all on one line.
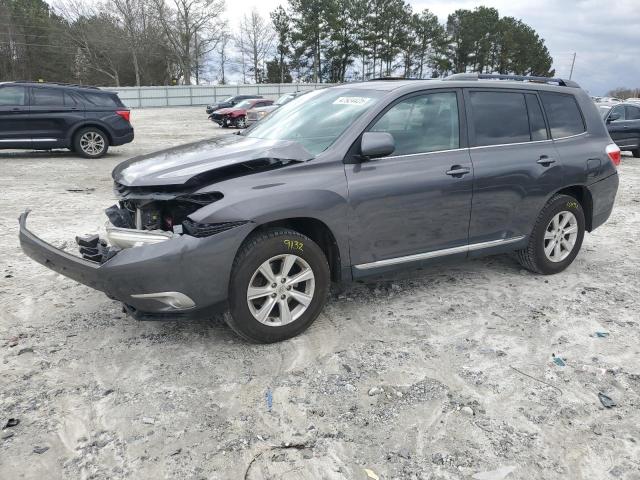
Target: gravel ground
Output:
[(443, 373)]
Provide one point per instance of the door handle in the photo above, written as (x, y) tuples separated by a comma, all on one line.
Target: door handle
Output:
[(457, 171), (545, 160)]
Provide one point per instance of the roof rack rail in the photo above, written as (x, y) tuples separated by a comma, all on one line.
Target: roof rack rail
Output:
[(518, 78), (61, 84), (397, 78)]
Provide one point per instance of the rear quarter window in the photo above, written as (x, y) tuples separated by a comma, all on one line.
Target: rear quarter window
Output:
[(563, 114), (101, 99)]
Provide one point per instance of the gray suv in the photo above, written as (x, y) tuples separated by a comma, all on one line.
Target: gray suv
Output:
[(347, 182)]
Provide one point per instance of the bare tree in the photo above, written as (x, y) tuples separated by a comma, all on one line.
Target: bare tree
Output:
[(94, 33), (132, 14), (255, 42), (223, 56), (192, 30)]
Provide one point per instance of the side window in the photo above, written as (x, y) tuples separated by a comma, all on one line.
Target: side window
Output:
[(633, 113), (619, 109), (12, 96), (563, 114), (536, 119), (421, 124), (47, 97), (499, 118)]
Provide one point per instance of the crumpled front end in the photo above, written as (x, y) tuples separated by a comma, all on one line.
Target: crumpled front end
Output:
[(155, 273)]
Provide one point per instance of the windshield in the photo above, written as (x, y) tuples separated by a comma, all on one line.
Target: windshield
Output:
[(604, 111), (316, 119), (285, 99), (227, 100), (244, 104)]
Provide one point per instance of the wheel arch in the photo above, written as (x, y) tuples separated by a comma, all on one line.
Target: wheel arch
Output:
[(94, 124), (316, 230), (581, 194)]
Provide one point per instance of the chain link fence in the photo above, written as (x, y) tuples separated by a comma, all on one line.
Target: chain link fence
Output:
[(184, 95)]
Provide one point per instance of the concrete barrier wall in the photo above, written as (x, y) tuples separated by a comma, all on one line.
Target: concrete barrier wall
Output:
[(183, 95)]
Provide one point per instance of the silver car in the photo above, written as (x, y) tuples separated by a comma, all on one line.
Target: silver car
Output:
[(256, 114)]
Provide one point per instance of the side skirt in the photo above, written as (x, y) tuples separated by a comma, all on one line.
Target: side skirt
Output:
[(490, 247)]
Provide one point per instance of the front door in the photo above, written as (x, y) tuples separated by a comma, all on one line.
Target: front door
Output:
[(15, 129), (417, 201)]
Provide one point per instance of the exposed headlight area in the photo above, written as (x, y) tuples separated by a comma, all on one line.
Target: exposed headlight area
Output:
[(139, 220)]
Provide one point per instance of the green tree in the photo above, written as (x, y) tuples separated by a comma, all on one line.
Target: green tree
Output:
[(307, 33), (278, 72), (282, 27)]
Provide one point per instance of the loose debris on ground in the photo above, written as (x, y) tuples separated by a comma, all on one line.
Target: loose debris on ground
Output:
[(443, 373)]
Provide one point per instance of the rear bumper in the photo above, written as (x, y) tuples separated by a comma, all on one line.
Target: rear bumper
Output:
[(126, 138), (603, 196), (147, 278)]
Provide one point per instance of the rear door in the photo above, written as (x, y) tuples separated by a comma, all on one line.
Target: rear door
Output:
[(14, 117), (516, 166), (53, 112)]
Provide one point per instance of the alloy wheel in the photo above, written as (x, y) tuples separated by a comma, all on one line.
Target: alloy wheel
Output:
[(560, 236), (92, 143), (281, 290)]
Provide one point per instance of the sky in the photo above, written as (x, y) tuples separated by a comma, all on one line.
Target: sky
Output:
[(604, 34)]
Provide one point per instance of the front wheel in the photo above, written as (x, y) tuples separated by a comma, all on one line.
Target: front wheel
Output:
[(556, 237), (279, 284), (636, 152)]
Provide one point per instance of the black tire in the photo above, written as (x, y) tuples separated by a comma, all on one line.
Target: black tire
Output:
[(85, 150), (636, 152), (256, 250), (533, 257)]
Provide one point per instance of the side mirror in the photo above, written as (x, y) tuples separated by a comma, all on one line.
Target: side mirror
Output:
[(377, 144), (613, 117)]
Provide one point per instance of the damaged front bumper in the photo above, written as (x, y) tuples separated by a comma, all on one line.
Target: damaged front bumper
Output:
[(162, 276)]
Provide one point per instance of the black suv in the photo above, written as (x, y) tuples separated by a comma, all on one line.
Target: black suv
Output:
[(229, 102), (43, 116)]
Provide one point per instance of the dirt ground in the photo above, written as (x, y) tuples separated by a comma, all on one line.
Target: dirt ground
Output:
[(443, 373)]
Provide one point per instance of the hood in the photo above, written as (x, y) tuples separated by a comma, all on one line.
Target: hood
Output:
[(224, 111), (178, 165)]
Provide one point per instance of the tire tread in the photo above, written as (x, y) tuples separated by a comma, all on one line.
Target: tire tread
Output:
[(251, 243), (527, 256)]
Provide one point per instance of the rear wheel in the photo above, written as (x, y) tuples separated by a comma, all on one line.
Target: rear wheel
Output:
[(556, 237), (90, 142), (279, 284)]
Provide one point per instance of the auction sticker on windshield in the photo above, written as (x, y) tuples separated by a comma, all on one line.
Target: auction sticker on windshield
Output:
[(351, 100)]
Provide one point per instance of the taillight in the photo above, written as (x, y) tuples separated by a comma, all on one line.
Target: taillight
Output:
[(126, 114), (614, 153)]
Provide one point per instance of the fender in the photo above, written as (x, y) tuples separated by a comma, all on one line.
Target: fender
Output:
[(91, 123), (244, 199)]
